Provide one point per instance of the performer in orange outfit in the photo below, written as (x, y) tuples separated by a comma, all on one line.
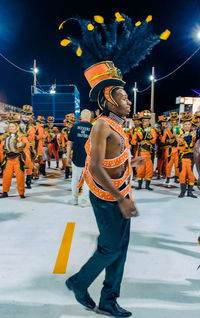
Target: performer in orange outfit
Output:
[(162, 120), (52, 138), (28, 130), (136, 124), (145, 136), (171, 152), (39, 135), (39, 142), (69, 121), (12, 156), (186, 142)]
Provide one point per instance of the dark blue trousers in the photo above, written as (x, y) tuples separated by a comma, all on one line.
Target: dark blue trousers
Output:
[(111, 250)]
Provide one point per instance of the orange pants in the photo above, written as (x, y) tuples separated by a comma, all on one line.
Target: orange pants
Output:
[(53, 151), (171, 158), (11, 167), (145, 171), (186, 171)]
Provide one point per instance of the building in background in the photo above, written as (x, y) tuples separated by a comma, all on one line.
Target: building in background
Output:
[(191, 104)]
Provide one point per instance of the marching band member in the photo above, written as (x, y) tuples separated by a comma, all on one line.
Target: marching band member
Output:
[(28, 129), (52, 138), (12, 156), (171, 151), (69, 121), (162, 121), (145, 136), (186, 142), (39, 142)]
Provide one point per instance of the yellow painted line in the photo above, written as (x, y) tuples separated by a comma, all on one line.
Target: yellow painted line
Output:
[(63, 254)]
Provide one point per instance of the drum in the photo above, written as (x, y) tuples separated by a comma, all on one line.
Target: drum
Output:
[(11, 143)]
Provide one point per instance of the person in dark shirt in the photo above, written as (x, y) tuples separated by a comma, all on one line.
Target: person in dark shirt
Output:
[(77, 138)]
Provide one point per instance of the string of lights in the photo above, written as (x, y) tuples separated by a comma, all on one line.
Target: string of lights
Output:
[(13, 64), (169, 74), (138, 91)]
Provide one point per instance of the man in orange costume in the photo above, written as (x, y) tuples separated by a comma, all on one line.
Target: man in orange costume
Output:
[(12, 156), (171, 152), (162, 121), (28, 130), (145, 136), (52, 138), (69, 121), (39, 142), (186, 142), (134, 148)]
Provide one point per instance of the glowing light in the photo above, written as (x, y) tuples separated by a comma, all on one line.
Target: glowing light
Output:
[(152, 78), (35, 70), (52, 91)]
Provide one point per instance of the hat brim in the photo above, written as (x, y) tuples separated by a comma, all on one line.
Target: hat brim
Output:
[(107, 82)]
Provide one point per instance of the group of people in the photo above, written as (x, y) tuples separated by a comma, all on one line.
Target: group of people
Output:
[(172, 141), (27, 146)]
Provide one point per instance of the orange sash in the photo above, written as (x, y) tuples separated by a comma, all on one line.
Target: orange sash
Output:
[(109, 163)]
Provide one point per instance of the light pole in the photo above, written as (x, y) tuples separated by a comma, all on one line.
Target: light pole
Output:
[(35, 71), (152, 78), (135, 98)]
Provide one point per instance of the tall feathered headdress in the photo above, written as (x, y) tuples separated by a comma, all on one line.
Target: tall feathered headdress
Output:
[(122, 44)]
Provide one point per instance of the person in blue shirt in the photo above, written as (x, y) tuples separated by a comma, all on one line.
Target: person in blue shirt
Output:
[(77, 138)]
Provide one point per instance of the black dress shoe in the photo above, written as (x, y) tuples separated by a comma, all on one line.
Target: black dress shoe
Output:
[(22, 196), (113, 310), (82, 296), (4, 195)]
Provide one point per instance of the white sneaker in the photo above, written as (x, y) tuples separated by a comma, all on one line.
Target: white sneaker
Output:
[(84, 203), (73, 201)]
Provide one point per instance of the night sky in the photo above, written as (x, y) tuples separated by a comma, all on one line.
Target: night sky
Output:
[(29, 30)]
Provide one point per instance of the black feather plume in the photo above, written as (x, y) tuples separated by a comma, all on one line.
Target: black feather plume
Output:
[(121, 42)]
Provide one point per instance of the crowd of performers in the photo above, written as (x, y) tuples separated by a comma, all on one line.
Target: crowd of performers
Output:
[(172, 141), (27, 145)]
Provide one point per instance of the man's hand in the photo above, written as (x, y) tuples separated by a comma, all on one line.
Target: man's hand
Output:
[(127, 208), (138, 161), (20, 144)]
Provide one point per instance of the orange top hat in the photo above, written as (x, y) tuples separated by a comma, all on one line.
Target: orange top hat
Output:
[(41, 119), (145, 114), (14, 118), (27, 109), (136, 117), (50, 119), (173, 115), (70, 118), (162, 118), (101, 75), (186, 116)]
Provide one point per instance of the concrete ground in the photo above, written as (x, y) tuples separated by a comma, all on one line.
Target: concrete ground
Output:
[(161, 279)]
